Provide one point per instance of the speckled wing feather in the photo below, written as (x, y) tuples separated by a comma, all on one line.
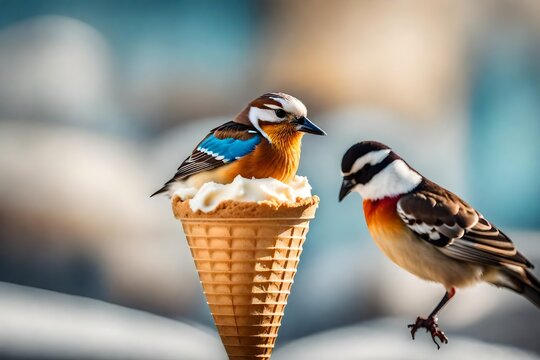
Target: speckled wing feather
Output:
[(224, 144), (442, 219)]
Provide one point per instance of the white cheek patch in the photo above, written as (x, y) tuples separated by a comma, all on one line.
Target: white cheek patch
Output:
[(372, 158), (395, 179), (256, 114)]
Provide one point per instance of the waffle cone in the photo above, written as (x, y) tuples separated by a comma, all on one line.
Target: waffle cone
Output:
[(246, 255)]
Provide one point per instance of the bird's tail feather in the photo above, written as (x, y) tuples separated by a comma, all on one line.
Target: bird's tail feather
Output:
[(532, 291), (524, 283), (165, 188)]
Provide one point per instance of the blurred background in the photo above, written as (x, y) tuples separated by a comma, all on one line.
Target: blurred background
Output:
[(100, 101)]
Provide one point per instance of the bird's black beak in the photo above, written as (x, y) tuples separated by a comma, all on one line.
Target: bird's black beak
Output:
[(305, 125), (346, 187)]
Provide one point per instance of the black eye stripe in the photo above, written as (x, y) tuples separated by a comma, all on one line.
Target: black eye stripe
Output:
[(364, 175)]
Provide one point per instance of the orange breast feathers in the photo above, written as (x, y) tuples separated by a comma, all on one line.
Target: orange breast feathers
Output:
[(382, 217), (278, 159)]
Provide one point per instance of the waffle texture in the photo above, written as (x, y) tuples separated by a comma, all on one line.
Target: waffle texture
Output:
[(246, 255)]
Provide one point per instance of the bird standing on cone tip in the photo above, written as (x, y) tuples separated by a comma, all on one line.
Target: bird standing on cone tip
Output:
[(262, 141), (431, 232)]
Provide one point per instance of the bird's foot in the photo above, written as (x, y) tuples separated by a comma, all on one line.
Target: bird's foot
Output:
[(430, 324)]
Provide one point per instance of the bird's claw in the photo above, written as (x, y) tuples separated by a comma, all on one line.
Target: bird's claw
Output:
[(430, 324)]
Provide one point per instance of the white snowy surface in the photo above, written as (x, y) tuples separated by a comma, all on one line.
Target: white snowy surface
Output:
[(42, 324)]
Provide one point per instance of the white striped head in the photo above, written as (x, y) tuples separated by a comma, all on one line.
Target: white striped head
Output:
[(374, 171), (277, 108)]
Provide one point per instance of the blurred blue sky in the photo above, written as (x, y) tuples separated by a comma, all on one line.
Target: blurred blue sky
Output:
[(505, 127)]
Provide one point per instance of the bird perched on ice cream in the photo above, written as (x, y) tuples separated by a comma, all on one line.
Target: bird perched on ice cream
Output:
[(431, 232), (262, 141)]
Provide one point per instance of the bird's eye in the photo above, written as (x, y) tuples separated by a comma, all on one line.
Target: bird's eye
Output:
[(366, 168), (280, 113)]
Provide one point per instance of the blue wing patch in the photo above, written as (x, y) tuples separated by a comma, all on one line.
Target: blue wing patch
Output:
[(228, 149), (214, 152)]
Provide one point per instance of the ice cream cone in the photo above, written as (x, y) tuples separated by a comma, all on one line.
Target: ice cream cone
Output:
[(246, 254)]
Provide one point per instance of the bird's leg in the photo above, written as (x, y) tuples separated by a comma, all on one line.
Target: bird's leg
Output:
[(430, 324)]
